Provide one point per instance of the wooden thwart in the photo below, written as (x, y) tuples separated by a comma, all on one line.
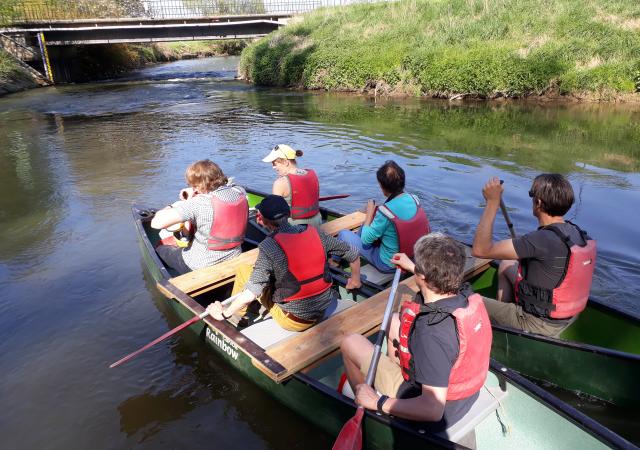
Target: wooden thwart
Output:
[(304, 349), (201, 280)]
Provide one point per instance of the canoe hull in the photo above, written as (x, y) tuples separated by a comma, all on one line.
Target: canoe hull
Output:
[(603, 373)]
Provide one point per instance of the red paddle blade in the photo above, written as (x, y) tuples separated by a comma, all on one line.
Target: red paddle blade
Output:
[(350, 437), (154, 342)]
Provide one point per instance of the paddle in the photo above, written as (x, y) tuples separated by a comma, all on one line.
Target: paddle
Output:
[(350, 437), (167, 334), (333, 197), (505, 213)]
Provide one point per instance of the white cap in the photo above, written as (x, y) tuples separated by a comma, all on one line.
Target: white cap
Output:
[(280, 151)]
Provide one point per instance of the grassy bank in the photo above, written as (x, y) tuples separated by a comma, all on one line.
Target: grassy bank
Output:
[(8, 67), (13, 77), (171, 51), (458, 48)]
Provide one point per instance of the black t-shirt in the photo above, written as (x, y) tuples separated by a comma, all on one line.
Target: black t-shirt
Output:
[(434, 348), (543, 255)]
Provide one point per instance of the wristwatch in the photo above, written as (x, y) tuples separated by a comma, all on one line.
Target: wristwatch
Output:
[(381, 400)]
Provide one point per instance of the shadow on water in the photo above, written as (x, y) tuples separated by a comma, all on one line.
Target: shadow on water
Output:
[(214, 398)]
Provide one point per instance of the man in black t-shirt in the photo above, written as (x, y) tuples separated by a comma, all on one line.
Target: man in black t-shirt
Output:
[(421, 391), (541, 255)]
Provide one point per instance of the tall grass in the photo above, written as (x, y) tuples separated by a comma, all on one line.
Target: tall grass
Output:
[(484, 48)]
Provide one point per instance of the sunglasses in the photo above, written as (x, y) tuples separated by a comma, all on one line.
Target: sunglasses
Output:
[(531, 194)]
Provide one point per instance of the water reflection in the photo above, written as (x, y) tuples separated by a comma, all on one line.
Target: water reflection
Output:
[(539, 137), (32, 200)]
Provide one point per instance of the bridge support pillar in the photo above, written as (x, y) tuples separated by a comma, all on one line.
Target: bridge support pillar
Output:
[(45, 57)]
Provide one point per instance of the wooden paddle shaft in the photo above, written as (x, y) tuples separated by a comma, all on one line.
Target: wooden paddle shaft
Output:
[(333, 197), (505, 213), (384, 329)]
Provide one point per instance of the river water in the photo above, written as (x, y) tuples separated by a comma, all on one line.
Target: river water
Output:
[(74, 295)]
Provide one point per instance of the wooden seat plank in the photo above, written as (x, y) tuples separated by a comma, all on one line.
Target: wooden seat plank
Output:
[(300, 351), (194, 282)]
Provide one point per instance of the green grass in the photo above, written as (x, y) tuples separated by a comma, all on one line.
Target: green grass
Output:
[(198, 49), (485, 48), (8, 68)]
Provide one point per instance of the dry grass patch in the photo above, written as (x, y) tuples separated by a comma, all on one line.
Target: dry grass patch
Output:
[(536, 42), (591, 64), (620, 22)]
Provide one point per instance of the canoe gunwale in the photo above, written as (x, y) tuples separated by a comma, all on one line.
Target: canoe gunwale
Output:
[(588, 348), (385, 419), (255, 352), (138, 219)]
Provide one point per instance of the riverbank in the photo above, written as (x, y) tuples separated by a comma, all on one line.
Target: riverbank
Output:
[(583, 49), (14, 77)]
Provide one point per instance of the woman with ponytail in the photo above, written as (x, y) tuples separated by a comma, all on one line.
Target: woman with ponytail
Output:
[(299, 187)]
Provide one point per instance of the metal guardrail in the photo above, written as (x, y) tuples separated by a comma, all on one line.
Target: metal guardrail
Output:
[(30, 11)]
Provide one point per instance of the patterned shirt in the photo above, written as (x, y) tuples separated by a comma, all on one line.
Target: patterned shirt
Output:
[(199, 210), (272, 265)]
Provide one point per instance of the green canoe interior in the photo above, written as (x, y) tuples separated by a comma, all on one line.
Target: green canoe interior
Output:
[(521, 421), (596, 325)]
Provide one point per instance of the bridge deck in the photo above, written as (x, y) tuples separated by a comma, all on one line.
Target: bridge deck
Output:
[(109, 31)]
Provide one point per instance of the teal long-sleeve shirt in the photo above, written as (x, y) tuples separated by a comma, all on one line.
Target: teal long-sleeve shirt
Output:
[(381, 229)]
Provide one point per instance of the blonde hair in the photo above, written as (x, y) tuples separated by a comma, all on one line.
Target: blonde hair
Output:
[(205, 176), (299, 153)]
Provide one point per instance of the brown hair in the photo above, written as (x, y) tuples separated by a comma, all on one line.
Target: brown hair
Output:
[(554, 192), (441, 260), (205, 176)]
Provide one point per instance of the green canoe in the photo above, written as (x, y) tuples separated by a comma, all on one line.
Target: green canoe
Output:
[(512, 413)]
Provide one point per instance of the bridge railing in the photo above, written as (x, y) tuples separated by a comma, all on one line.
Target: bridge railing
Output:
[(29, 11)]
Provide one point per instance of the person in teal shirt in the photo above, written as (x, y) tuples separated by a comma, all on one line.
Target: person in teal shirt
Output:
[(378, 239)]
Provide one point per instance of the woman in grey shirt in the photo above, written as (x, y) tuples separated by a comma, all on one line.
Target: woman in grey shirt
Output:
[(209, 198)]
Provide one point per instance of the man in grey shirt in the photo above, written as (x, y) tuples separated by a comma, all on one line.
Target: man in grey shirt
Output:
[(293, 260), (537, 263)]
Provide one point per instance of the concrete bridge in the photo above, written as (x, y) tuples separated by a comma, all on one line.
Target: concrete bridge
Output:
[(29, 27)]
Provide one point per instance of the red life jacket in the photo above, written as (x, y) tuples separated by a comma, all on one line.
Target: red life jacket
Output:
[(229, 223), (308, 272), (305, 191), (469, 372), (408, 231), (572, 293)]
